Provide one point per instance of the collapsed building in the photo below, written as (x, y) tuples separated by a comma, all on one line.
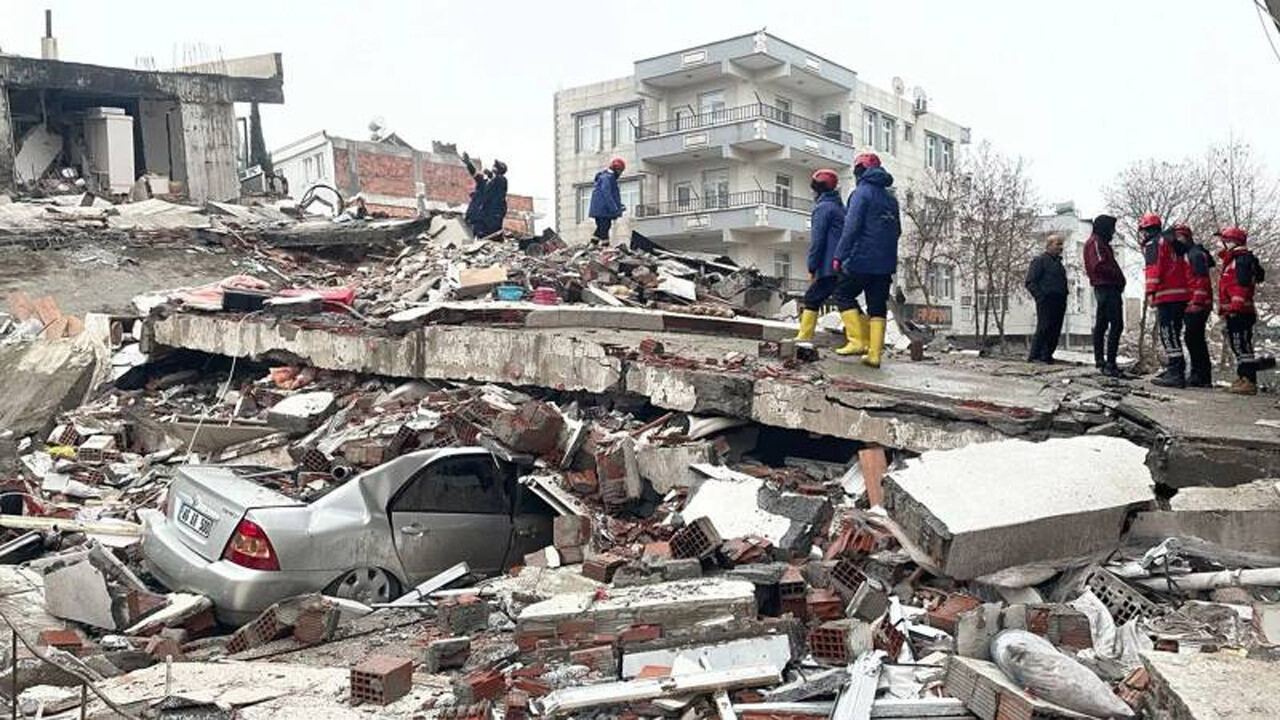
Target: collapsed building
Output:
[(107, 126)]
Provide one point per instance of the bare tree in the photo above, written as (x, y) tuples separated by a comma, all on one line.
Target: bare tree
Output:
[(1172, 190), (997, 217), (931, 208)]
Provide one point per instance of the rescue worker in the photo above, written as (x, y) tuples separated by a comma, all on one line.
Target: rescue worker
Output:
[(827, 220), (477, 194), (606, 199), (1047, 283), (867, 257), (1108, 281), (1241, 273), (1199, 263), (493, 208), (1166, 275)]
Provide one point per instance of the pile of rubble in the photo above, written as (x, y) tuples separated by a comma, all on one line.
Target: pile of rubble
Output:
[(684, 576)]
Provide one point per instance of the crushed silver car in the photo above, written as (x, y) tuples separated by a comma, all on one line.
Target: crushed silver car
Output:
[(246, 546)]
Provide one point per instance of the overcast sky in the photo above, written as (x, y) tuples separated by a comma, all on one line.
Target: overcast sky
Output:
[(1079, 89)]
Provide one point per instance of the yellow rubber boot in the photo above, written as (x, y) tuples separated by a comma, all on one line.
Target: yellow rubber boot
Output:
[(875, 343), (855, 331), (808, 324)]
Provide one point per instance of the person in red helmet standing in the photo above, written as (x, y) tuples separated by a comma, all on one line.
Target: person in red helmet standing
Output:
[(867, 256), (606, 199), (1166, 275), (826, 223), (1199, 264), (1241, 273)]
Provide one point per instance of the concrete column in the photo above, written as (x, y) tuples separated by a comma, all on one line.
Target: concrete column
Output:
[(209, 144), (7, 148)]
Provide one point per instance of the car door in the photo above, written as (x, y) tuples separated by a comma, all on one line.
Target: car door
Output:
[(531, 524), (456, 508)]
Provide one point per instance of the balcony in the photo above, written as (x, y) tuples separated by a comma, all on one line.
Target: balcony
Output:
[(758, 56), (745, 211), (733, 133)]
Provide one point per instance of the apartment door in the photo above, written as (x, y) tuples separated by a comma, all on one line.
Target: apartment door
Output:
[(715, 188), (831, 124), (682, 117), (782, 190), (784, 110), (682, 194)]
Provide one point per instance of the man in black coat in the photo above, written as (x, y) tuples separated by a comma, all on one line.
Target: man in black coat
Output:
[(1047, 283), (493, 206), (477, 194)]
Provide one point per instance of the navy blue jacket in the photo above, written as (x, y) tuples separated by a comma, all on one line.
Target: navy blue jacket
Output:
[(606, 201), (477, 195), (869, 242), (824, 233), (492, 209)]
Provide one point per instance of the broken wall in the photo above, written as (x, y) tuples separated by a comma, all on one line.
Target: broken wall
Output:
[(7, 149), (161, 129), (209, 149)]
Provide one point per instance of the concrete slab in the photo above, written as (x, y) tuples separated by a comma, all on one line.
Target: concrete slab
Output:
[(1244, 518), (1210, 686), (739, 505), (987, 507), (41, 378), (679, 604)]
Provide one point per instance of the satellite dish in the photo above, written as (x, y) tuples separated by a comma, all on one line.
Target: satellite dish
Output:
[(377, 124), (899, 86)]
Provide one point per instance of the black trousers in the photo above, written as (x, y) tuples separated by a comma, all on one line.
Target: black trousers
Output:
[(1108, 323), (873, 288), (837, 287), (1198, 345), (1240, 337), (1169, 319), (602, 228), (1050, 312)]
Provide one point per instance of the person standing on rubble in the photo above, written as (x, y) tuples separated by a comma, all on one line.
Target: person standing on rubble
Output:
[(493, 203), (867, 257), (1199, 263), (477, 195), (826, 223), (1108, 283), (1047, 283), (606, 199), (1166, 277), (1241, 273)]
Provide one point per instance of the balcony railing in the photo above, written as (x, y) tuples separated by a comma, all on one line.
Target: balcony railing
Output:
[(725, 116), (724, 201)]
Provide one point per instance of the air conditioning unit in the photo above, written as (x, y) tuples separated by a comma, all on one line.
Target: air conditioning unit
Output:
[(920, 106)]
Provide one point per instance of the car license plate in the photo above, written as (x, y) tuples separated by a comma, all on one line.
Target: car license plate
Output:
[(195, 519)]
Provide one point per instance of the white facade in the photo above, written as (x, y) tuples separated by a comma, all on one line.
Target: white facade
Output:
[(305, 162), (720, 141)]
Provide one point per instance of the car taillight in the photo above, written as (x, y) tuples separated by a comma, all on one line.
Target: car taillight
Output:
[(249, 547)]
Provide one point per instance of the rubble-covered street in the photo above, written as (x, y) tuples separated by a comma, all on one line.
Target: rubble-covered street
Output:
[(670, 515)]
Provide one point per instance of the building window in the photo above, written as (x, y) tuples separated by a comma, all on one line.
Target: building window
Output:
[(583, 198), (939, 152), (715, 188), (946, 154), (782, 265), (588, 132), (908, 132), (784, 109), (625, 122), (629, 191), (879, 131), (941, 281), (321, 170), (711, 103), (782, 190), (998, 301), (931, 153)]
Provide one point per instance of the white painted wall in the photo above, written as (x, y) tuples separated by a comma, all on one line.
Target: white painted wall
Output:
[(305, 163)]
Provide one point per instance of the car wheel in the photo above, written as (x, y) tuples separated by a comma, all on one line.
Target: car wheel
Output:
[(366, 585)]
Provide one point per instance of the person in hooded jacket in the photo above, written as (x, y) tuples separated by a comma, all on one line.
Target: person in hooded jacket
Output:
[(867, 256), (477, 194), (1047, 284), (1166, 278), (493, 205), (606, 198), (1241, 273), (826, 223), (1199, 264), (1108, 281)]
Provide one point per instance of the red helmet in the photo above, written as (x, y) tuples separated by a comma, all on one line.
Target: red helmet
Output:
[(1233, 234), (1149, 220), (1181, 229), (867, 160), (618, 164), (826, 177)]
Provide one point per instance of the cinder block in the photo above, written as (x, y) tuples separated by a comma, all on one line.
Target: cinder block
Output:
[(381, 679), (264, 628), (839, 642), (698, 539)]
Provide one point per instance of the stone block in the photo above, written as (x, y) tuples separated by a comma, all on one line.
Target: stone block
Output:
[(446, 654), (534, 428), (1210, 685), (301, 413), (991, 506), (668, 468)]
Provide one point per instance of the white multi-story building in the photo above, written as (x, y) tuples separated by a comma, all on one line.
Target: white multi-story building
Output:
[(720, 141)]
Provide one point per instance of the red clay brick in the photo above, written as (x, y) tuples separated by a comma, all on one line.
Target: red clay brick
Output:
[(381, 679)]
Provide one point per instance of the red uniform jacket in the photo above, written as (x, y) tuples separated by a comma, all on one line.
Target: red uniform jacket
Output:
[(1100, 264), (1199, 263), (1241, 274), (1166, 272)]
